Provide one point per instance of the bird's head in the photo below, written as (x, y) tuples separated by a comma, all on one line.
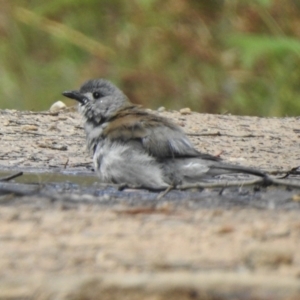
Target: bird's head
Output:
[(98, 100)]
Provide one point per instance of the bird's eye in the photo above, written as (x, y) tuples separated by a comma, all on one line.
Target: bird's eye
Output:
[(96, 95)]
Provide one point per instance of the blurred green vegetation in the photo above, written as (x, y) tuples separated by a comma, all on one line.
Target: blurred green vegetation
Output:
[(215, 56)]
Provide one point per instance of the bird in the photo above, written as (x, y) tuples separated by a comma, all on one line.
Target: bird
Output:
[(134, 147)]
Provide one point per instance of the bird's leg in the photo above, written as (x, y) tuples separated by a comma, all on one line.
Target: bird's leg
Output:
[(165, 192)]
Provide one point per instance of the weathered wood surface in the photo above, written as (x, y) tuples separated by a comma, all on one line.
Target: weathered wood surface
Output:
[(70, 247)]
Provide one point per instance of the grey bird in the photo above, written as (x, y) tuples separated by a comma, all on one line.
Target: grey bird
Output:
[(135, 147)]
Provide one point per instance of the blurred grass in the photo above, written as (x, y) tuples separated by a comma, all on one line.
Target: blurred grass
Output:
[(213, 56)]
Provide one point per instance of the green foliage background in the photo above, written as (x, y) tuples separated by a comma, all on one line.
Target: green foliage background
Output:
[(213, 56)]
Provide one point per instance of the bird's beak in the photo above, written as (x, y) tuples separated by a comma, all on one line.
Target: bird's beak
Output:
[(76, 96)]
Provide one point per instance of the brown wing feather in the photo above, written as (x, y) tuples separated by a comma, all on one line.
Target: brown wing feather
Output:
[(159, 136)]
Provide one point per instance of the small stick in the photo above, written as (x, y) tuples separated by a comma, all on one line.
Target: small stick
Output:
[(287, 183), (271, 181), (66, 163), (220, 184), (7, 178)]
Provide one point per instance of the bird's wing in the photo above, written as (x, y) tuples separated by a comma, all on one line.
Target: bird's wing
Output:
[(159, 137)]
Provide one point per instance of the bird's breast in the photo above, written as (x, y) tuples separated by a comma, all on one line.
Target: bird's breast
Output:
[(93, 135)]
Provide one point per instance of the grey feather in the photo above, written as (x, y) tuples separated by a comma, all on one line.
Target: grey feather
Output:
[(132, 146)]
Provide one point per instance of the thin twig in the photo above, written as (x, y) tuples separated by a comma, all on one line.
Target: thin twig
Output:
[(7, 178), (218, 133), (287, 183), (66, 163), (203, 185), (262, 181)]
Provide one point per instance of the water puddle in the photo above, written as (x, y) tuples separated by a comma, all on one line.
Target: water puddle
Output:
[(66, 184), (40, 177)]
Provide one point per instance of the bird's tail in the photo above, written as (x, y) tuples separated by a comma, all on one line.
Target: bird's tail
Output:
[(193, 170), (216, 169)]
